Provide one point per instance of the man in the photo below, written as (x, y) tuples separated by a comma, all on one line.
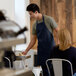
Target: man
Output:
[(43, 31)]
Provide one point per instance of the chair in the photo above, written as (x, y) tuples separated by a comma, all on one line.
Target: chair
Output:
[(8, 61), (57, 67)]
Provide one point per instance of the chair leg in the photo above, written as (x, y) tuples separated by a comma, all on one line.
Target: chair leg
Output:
[(37, 71), (8, 61)]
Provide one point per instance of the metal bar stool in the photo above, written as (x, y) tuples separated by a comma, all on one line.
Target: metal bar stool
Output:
[(8, 61)]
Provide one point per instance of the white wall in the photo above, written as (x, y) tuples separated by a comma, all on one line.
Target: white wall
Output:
[(23, 19), (8, 6), (20, 12)]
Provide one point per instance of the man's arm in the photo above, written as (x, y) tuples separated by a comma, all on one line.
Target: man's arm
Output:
[(55, 29), (31, 44)]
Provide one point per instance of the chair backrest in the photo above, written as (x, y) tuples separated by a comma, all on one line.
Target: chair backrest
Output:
[(57, 67), (8, 61)]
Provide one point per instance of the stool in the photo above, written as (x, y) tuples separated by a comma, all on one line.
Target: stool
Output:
[(37, 71)]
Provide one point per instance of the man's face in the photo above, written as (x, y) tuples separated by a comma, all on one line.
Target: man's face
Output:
[(33, 15)]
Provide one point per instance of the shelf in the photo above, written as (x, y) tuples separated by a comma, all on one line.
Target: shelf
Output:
[(11, 42)]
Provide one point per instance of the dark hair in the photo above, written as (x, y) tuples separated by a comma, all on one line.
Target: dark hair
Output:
[(2, 17), (33, 7)]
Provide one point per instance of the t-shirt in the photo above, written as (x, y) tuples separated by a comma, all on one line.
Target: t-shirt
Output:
[(49, 22), (69, 54)]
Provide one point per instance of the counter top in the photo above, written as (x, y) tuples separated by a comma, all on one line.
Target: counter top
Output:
[(25, 72)]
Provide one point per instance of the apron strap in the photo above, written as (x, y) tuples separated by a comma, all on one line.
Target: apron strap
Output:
[(42, 18)]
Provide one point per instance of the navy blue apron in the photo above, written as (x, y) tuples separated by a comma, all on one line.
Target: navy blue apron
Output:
[(45, 42)]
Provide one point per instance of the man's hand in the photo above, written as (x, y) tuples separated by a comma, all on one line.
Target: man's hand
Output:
[(24, 53)]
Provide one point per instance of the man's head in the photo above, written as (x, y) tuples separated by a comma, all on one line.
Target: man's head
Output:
[(33, 10)]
